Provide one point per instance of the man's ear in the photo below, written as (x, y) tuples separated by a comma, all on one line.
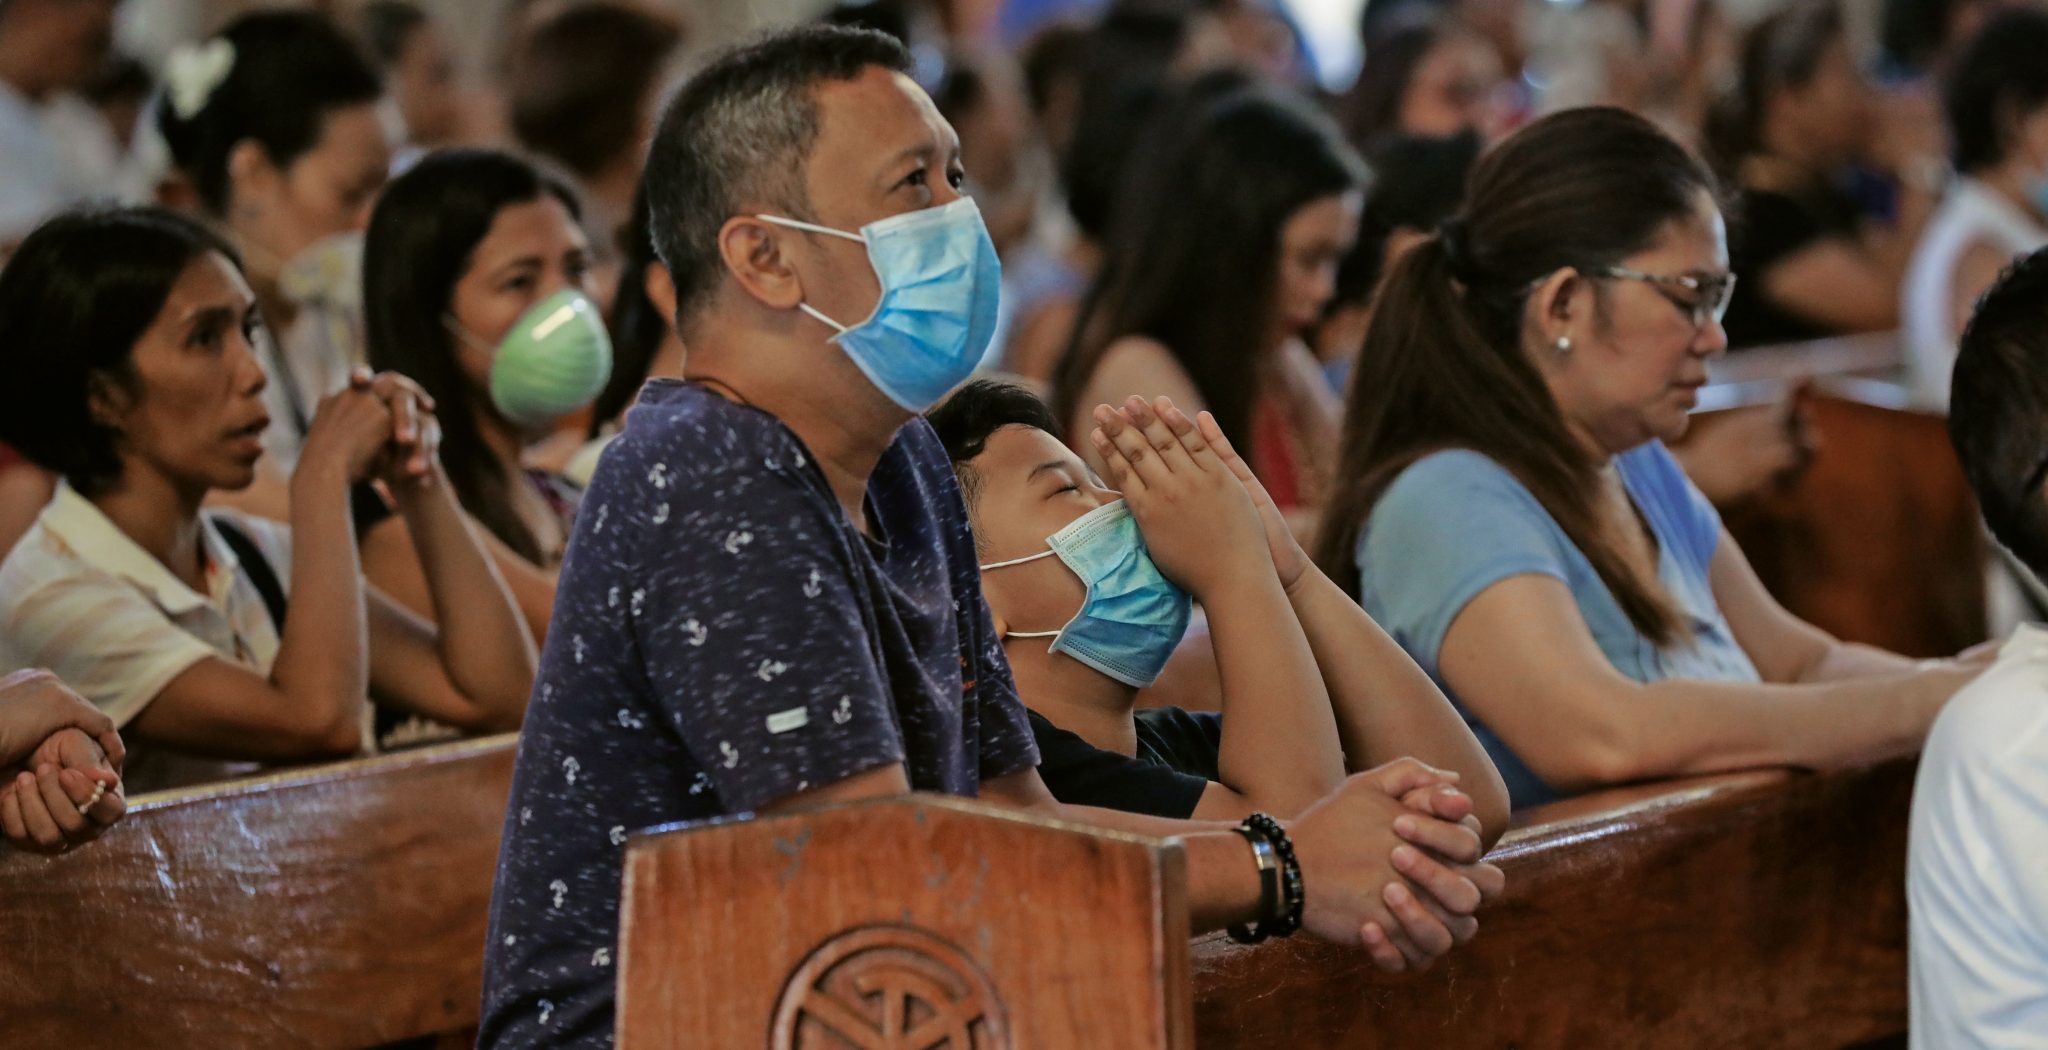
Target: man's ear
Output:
[(752, 251)]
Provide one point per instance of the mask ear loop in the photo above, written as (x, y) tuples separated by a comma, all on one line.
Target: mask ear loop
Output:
[(811, 227), (1021, 561)]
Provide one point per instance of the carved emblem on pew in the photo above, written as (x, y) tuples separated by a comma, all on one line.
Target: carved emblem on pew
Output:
[(888, 988)]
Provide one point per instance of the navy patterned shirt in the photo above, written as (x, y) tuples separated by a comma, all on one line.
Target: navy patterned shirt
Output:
[(723, 637)]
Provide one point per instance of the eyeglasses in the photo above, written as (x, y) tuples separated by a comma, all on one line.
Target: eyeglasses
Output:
[(1709, 296)]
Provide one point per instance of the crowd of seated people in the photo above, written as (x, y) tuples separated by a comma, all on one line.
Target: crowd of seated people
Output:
[(1336, 496)]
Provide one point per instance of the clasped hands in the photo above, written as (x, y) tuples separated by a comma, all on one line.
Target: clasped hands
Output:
[(64, 760), (1392, 858), (382, 427)]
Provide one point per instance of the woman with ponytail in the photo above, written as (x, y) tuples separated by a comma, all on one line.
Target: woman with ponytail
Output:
[(1506, 508)]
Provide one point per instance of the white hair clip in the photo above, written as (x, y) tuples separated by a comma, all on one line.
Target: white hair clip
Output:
[(194, 72)]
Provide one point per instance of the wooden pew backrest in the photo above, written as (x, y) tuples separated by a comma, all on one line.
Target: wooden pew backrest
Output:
[(1748, 911), (893, 922), (342, 906), (1880, 540)]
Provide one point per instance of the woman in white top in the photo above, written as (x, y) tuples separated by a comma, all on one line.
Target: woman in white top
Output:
[(127, 340), (1997, 209)]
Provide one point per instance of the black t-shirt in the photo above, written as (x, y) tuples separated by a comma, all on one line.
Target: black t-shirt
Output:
[(1176, 761), (1770, 227)]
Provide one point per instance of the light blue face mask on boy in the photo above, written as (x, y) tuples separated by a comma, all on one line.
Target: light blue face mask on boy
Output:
[(940, 283), (1133, 615)]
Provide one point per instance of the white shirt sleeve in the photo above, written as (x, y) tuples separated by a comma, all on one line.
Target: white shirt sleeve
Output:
[(104, 639), (1977, 867)]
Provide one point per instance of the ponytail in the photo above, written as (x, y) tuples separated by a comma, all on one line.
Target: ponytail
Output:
[(1443, 365)]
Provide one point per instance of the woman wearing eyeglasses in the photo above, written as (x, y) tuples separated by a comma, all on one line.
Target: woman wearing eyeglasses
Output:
[(1506, 508)]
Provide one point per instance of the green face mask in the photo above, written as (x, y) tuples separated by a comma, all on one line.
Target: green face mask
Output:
[(555, 360)]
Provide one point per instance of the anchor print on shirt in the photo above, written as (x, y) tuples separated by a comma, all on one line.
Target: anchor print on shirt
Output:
[(732, 756), (844, 713), (815, 585), (695, 632), (657, 476), (661, 514), (560, 891), (735, 540), (570, 767), (770, 670)]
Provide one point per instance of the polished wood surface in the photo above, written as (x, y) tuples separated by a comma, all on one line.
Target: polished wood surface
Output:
[(345, 907), (1751, 911), (1879, 540), (891, 923), (341, 906)]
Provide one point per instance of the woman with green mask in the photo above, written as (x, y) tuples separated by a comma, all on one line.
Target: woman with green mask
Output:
[(476, 279)]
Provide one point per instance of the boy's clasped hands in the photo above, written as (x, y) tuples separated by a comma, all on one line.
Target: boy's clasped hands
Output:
[(1391, 859)]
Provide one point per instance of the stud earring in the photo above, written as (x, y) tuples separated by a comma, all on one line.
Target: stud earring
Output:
[(1564, 344)]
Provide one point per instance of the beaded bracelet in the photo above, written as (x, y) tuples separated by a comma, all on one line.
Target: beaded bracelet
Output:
[(1281, 895)]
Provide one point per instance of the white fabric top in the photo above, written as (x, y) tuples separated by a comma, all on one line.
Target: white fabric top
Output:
[(81, 598), (1970, 214), (1977, 868)]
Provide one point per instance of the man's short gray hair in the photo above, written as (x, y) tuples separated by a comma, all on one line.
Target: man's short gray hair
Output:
[(738, 135)]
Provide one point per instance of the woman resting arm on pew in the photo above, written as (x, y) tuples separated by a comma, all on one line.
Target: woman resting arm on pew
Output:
[(1509, 513), (65, 759), (128, 335)]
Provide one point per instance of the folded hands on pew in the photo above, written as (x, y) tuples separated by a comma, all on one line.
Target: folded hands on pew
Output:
[(1394, 854), (1392, 867), (65, 763)]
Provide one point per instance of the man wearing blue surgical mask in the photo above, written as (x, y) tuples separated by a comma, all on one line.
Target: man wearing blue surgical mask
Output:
[(771, 597), (1090, 587)]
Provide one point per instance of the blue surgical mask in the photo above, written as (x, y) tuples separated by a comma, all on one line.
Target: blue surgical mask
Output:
[(1133, 616), (940, 282)]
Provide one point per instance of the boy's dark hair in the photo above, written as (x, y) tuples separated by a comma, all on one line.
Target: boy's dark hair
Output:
[(738, 136), (74, 300), (965, 421), (1998, 408), (291, 69)]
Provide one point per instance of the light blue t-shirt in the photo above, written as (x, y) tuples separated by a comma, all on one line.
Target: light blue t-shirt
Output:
[(1455, 523)]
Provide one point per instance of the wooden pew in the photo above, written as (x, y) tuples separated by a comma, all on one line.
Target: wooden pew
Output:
[(1756, 910), (1879, 541), (345, 906), (341, 906)]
